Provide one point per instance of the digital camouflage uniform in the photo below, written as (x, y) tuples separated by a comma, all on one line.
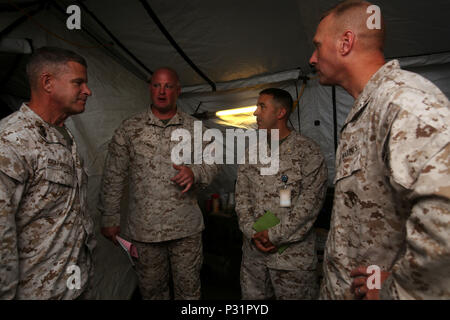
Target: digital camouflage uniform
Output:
[(291, 274), (159, 214), (391, 204), (44, 224)]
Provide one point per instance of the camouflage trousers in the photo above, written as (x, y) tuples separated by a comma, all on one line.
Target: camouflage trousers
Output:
[(258, 282), (182, 257), (325, 294)]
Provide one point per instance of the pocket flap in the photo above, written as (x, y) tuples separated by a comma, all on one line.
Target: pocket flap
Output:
[(349, 163), (60, 175)]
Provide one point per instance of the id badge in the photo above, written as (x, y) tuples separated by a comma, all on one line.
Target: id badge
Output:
[(285, 198)]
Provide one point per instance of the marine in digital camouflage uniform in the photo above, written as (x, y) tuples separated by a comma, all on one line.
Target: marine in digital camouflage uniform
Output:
[(45, 229), (264, 271), (391, 205), (164, 220)]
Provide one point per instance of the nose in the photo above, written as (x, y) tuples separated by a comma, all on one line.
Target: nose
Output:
[(313, 59), (256, 112), (86, 90)]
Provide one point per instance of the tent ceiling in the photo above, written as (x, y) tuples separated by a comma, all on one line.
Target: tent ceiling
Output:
[(231, 40), (226, 40)]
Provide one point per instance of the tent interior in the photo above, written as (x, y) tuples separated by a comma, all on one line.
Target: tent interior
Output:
[(225, 53)]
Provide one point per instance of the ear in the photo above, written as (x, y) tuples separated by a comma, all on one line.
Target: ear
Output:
[(46, 82), (346, 43), (281, 113)]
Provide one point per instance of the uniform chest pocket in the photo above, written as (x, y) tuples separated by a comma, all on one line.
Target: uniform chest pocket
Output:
[(145, 149), (62, 175), (294, 181), (350, 163)]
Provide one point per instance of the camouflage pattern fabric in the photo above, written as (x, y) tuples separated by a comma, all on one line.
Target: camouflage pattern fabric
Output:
[(261, 283), (303, 163), (391, 205), (152, 267), (158, 211), (44, 224)]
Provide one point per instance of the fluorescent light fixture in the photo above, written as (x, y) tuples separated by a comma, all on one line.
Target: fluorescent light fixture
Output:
[(238, 117), (235, 111)]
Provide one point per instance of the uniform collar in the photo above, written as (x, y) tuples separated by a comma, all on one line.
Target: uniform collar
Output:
[(177, 119), (372, 85), (287, 142), (45, 130)]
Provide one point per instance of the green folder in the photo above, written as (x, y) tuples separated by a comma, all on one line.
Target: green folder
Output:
[(268, 220)]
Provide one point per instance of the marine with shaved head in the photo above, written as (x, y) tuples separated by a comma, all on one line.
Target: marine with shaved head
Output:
[(392, 184), (164, 221)]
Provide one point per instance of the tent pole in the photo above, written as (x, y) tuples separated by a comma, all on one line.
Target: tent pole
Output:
[(103, 26), (334, 117), (161, 27), (8, 8), (298, 106), (19, 21)]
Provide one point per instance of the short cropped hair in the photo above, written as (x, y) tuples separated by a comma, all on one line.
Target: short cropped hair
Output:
[(345, 7), (49, 59), (282, 97)]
